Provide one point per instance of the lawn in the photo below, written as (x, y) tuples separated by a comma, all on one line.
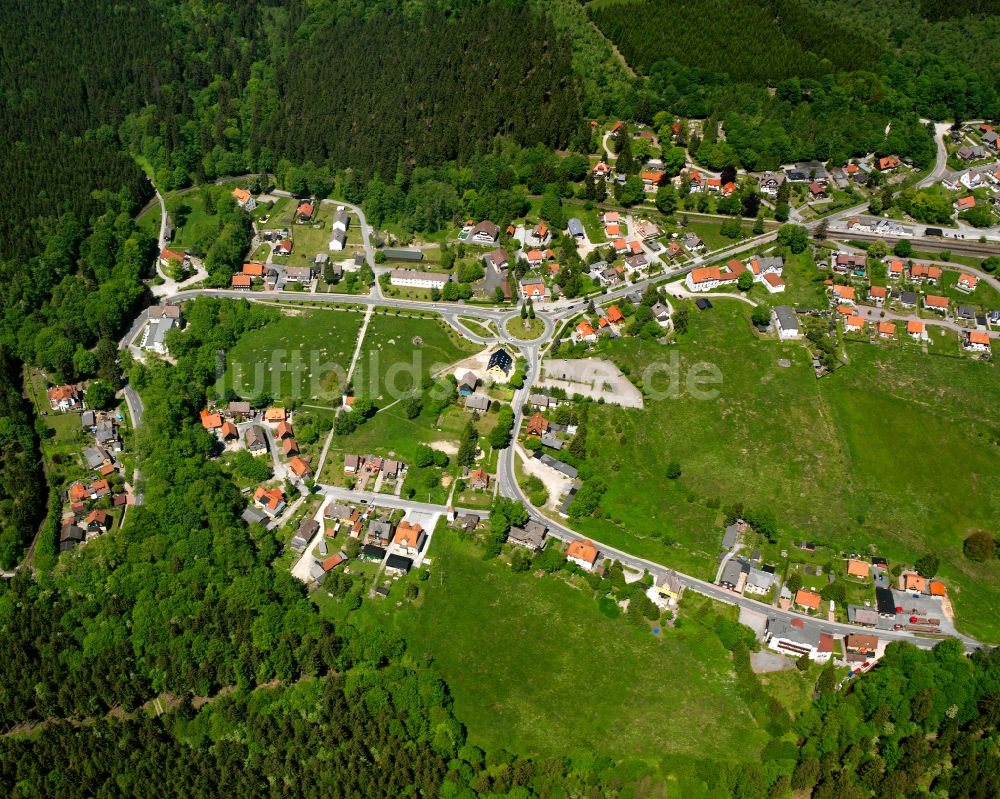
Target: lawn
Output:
[(708, 232), (200, 225), (479, 327), (803, 284), (536, 668), (895, 450), (392, 362), (304, 355), (984, 296), (525, 329)]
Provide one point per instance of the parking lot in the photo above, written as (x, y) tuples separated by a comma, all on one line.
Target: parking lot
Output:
[(596, 378)]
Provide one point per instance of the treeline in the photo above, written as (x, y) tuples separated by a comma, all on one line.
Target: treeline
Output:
[(920, 721), (750, 40), (499, 69), (22, 490)]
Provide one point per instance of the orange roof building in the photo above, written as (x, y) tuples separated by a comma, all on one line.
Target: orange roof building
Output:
[(857, 568), (615, 314), (300, 468), (844, 293), (211, 421), (807, 599), (537, 425), (332, 562), (935, 301), (229, 430), (582, 552), (254, 269), (914, 582), (886, 329), (274, 415), (409, 536), (585, 329), (241, 281), (915, 327)]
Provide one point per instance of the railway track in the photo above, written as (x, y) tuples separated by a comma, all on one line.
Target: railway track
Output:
[(976, 249)]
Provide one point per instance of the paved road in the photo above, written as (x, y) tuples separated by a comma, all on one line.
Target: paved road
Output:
[(390, 501)]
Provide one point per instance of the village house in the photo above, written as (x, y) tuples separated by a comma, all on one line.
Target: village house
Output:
[(920, 273), (537, 425), (540, 235), (966, 283), (63, 398), (732, 577), (583, 553), (895, 269), (794, 637), (500, 365), (934, 302), (850, 263), (301, 469), (808, 600), (860, 647), (255, 440), (467, 385), (886, 330), (304, 211), (532, 535), (533, 288), (844, 295), (585, 332), (171, 258), (304, 534), (668, 586), (786, 322), (977, 341), (498, 258), (769, 183), (878, 294), (486, 232), (478, 479), (244, 199), (759, 582), (916, 330), (241, 282), (853, 324), (409, 538), (271, 501), (238, 409)]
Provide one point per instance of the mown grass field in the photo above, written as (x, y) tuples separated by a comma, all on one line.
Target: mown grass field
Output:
[(302, 356), (893, 450), (536, 668), (391, 363)]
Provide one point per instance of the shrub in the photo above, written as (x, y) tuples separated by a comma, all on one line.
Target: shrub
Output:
[(980, 546)]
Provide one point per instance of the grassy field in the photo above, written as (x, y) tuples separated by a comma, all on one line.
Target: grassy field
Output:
[(304, 355), (535, 667), (802, 289), (200, 225), (391, 363), (893, 450), (516, 328), (984, 296)]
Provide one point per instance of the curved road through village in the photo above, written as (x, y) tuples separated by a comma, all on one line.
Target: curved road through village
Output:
[(552, 316)]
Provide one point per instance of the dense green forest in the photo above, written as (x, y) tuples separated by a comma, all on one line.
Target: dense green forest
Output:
[(760, 41), (499, 70)]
